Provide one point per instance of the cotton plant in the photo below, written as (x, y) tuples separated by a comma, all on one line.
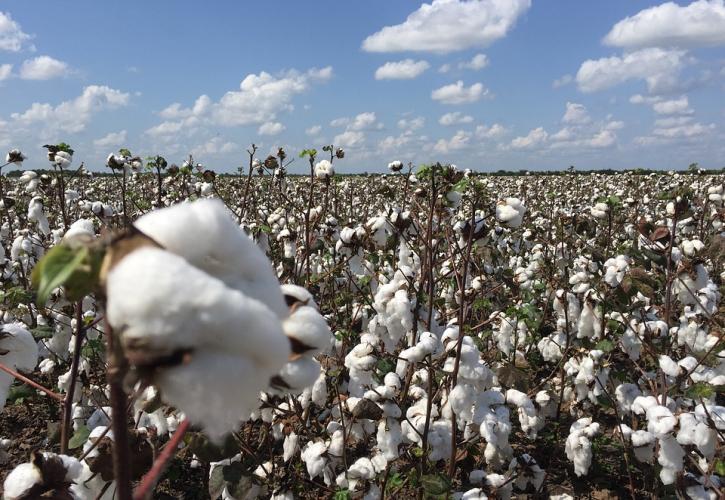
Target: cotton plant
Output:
[(18, 351)]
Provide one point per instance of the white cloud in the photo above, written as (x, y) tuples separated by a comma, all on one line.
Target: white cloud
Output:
[(560, 82), (394, 144), (314, 130), (43, 68), (350, 139), (688, 130), (72, 116), (445, 68), (493, 132), (533, 139), (214, 146), (258, 101), (575, 113), (678, 106), (261, 97), (455, 118), (477, 62), (401, 70), (459, 141), (271, 128), (12, 37), (411, 123), (658, 67), (5, 71), (457, 93), (672, 121), (702, 23), (112, 140), (339, 122), (445, 26), (365, 121), (602, 139)]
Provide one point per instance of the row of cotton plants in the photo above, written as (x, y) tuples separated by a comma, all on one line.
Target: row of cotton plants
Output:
[(431, 332)]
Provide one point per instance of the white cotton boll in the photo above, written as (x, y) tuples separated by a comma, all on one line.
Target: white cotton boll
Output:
[(300, 373), (290, 446), (510, 212), (472, 494), (477, 476), (502, 484), (81, 227), (626, 394), (297, 293), (660, 421), (219, 410), (21, 355), (590, 321), (100, 417), (204, 234), (324, 169), (47, 366), (600, 210), (578, 447), (313, 459), (715, 412), (36, 214), (307, 326), (668, 366), (21, 479), (643, 443), (670, 457), (319, 390), (389, 437), (552, 347)]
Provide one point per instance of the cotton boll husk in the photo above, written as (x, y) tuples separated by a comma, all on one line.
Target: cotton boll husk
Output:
[(204, 234)]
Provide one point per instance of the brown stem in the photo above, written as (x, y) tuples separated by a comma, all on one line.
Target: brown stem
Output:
[(117, 368), (31, 383), (68, 403)]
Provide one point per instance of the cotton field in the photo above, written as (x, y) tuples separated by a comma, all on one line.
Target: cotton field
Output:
[(430, 333)]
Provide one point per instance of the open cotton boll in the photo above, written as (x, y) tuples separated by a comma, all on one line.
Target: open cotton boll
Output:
[(313, 459), (81, 227), (46, 473), (204, 234), (21, 353), (309, 330), (472, 494), (510, 212), (324, 169), (36, 214), (660, 421), (164, 308), (670, 457), (578, 447)]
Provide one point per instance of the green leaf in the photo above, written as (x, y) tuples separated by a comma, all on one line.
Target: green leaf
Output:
[(435, 484), (74, 268), (79, 437), (216, 482), (15, 296), (700, 390), (605, 345), (720, 467), (19, 392), (342, 495), (43, 332)]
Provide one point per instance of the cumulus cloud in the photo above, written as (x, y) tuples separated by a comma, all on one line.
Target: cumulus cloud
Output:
[(495, 131), (365, 121), (74, 115), (535, 138), (564, 80), (415, 123), (43, 68), (313, 130), (401, 70), (271, 128), (5, 71), (457, 93), (459, 141), (477, 62), (702, 23), (455, 118), (214, 146), (350, 139), (661, 106), (260, 98), (575, 113), (12, 38), (112, 140), (659, 68), (445, 26)]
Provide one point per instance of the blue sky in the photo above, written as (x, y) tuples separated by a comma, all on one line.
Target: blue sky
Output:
[(489, 84)]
